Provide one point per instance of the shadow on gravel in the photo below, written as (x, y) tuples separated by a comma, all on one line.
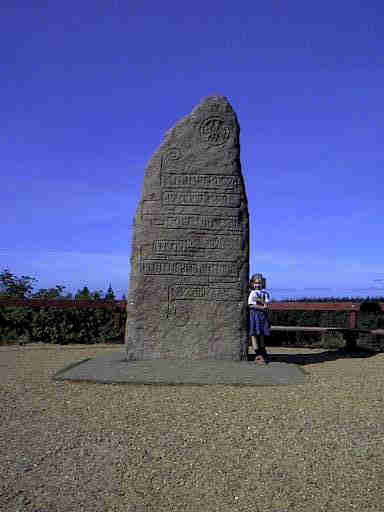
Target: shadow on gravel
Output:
[(327, 355)]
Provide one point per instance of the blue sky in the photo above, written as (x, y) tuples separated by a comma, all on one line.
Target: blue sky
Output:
[(90, 88)]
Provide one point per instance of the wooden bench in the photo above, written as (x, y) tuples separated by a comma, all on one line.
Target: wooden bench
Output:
[(350, 335)]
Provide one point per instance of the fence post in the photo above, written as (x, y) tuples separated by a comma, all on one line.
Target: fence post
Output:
[(352, 318)]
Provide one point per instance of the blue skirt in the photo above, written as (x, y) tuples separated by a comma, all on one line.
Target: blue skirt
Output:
[(258, 323)]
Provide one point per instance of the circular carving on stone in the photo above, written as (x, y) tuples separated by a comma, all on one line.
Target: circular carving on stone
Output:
[(179, 315), (214, 131)]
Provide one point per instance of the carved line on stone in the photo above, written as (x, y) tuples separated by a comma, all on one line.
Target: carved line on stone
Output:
[(219, 107), (172, 155), (194, 221), (190, 245), (189, 267), (202, 181), (178, 316), (215, 106), (204, 293), (196, 197)]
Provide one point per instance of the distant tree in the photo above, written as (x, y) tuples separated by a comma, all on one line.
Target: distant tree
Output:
[(50, 293), (97, 295), (83, 294), (14, 287), (370, 306), (109, 295)]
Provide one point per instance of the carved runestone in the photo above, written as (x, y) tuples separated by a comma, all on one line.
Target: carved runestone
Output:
[(187, 295)]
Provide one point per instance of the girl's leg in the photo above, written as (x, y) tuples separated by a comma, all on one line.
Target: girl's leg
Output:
[(253, 328), (254, 344), (261, 344), (257, 340), (261, 353)]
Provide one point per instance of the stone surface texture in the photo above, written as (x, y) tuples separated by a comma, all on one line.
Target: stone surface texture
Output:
[(187, 295)]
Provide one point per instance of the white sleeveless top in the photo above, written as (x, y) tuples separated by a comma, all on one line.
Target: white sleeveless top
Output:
[(259, 296)]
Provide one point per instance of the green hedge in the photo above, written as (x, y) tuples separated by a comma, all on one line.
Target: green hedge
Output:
[(62, 326)]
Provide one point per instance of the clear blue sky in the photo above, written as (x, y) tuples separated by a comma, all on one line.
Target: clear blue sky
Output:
[(89, 89)]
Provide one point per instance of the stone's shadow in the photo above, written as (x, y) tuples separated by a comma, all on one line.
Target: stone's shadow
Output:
[(319, 357)]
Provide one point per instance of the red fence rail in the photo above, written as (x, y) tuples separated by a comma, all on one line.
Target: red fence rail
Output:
[(352, 307)]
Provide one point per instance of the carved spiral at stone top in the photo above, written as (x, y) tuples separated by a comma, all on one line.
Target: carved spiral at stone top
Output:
[(173, 154), (214, 131)]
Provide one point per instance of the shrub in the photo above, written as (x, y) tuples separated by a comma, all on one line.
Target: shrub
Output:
[(370, 306)]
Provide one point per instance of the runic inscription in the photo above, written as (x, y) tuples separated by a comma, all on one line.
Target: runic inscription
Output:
[(194, 221), (215, 181), (206, 293), (200, 197), (195, 244), (189, 268)]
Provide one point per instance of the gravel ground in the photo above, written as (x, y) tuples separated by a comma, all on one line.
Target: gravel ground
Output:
[(94, 447)]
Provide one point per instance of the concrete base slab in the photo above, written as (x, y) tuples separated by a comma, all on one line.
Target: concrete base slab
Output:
[(112, 367)]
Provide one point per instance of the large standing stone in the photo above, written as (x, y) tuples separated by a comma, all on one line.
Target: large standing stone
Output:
[(187, 294)]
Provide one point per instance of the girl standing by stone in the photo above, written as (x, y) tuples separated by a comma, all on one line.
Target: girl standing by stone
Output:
[(258, 320)]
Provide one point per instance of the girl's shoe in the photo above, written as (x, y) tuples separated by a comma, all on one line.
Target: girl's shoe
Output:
[(260, 360)]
